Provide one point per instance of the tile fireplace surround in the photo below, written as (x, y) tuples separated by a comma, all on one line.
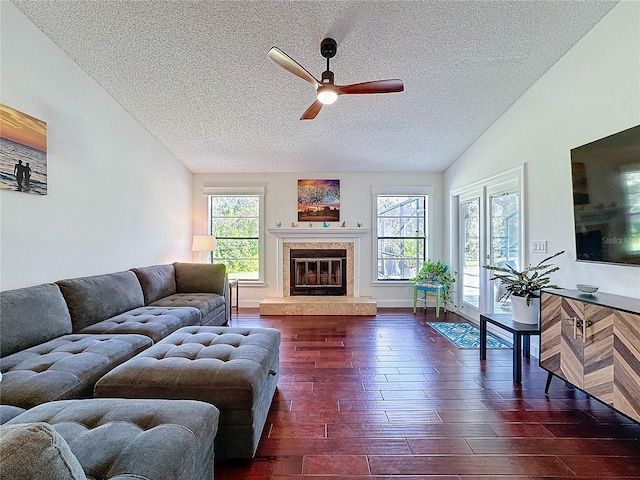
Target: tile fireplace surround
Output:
[(318, 238)]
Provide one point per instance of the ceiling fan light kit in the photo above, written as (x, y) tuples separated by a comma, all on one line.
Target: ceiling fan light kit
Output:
[(327, 91), (327, 95)]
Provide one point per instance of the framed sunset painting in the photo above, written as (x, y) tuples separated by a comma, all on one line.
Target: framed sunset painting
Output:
[(318, 200), (23, 152)]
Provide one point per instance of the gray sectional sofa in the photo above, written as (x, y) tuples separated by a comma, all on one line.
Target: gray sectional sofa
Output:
[(57, 340)]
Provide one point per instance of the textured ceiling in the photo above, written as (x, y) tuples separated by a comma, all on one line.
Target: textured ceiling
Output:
[(196, 74)]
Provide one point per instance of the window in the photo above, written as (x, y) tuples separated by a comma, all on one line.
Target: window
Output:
[(235, 221), (401, 234)]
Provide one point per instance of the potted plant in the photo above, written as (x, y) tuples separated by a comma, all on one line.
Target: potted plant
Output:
[(524, 287), (436, 272)]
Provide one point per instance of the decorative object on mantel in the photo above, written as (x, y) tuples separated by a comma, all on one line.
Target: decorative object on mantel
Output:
[(359, 224), (318, 200), (523, 288), (300, 232), (294, 225), (586, 289), (310, 225), (23, 150), (325, 224), (278, 224), (343, 224)]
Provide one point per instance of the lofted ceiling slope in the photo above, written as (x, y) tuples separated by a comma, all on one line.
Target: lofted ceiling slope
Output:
[(196, 75)]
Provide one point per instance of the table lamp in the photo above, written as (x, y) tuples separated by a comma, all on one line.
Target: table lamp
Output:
[(204, 244)]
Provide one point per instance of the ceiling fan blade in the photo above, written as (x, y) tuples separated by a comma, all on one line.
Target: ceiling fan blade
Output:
[(377, 86), (285, 61), (312, 111)]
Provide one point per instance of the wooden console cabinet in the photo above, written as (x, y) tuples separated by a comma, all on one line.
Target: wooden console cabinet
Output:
[(593, 342)]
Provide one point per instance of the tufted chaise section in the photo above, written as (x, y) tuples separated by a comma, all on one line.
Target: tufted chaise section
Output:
[(64, 367), (116, 439), (234, 369), (199, 285), (210, 305), (154, 322)]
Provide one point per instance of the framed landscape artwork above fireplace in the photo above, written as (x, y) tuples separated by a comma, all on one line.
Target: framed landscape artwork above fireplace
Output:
[(318, 200)]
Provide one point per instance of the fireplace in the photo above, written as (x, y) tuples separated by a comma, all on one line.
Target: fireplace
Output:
[(324, 241), (318, 272)]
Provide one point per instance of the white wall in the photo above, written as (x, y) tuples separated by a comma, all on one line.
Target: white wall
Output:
[(355, 206), (116, 197), (592, 92)]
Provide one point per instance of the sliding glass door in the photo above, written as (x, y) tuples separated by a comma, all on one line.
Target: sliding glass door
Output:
[(470, 262), (489, 233), (504, 240)]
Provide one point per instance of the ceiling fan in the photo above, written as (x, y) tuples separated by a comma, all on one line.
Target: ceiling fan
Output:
[(327, 90)]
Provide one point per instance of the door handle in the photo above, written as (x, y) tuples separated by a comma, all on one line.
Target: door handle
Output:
[(582, 325)]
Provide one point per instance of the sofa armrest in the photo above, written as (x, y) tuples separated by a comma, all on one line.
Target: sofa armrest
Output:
[(201, 278)]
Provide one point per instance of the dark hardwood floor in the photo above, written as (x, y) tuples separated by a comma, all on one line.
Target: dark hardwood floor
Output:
[(387, 397)]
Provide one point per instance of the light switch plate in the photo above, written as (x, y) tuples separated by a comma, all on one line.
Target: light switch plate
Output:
[(539, 246)]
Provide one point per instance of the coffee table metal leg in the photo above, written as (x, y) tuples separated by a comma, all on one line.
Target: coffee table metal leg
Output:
[(517, 358), (483, 339), (526, 346)]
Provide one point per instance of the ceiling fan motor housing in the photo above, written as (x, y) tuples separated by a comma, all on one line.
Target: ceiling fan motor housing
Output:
[(327, 77), (328, 48)]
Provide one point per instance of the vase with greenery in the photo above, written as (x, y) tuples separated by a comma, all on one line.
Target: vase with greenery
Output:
[(526, 283), (436, 272)]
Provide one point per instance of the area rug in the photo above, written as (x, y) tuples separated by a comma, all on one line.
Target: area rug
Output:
[(465, 335)]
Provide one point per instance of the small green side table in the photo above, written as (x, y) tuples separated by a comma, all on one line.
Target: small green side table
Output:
[(428, 289)]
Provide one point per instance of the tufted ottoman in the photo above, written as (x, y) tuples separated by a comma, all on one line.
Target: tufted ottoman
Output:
[(133, 439), (233, 368)]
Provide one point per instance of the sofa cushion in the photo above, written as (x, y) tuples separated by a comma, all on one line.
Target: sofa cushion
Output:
[(35, 451), (154, 322), (157, 281), (206, 303), (97, 298), (7, 412), (135, 439), (200, 277), (65, 367), (30, 316)]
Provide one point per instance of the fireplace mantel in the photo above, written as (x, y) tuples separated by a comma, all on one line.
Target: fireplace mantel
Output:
[(318, 235), (320, 232)]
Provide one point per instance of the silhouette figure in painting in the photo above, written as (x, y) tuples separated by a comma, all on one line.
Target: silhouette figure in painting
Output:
[(18, 172), (27, 177)]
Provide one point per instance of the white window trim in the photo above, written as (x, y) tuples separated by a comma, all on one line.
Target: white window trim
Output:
[(397, 190), (258, 190)]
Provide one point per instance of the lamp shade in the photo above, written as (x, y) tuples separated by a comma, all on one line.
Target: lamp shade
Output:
[(204, 243)]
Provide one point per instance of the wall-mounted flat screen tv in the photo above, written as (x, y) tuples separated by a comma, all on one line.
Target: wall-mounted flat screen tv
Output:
[(606, 198)]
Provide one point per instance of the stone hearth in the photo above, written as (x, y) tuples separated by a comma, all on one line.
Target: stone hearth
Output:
[(318, 305)]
